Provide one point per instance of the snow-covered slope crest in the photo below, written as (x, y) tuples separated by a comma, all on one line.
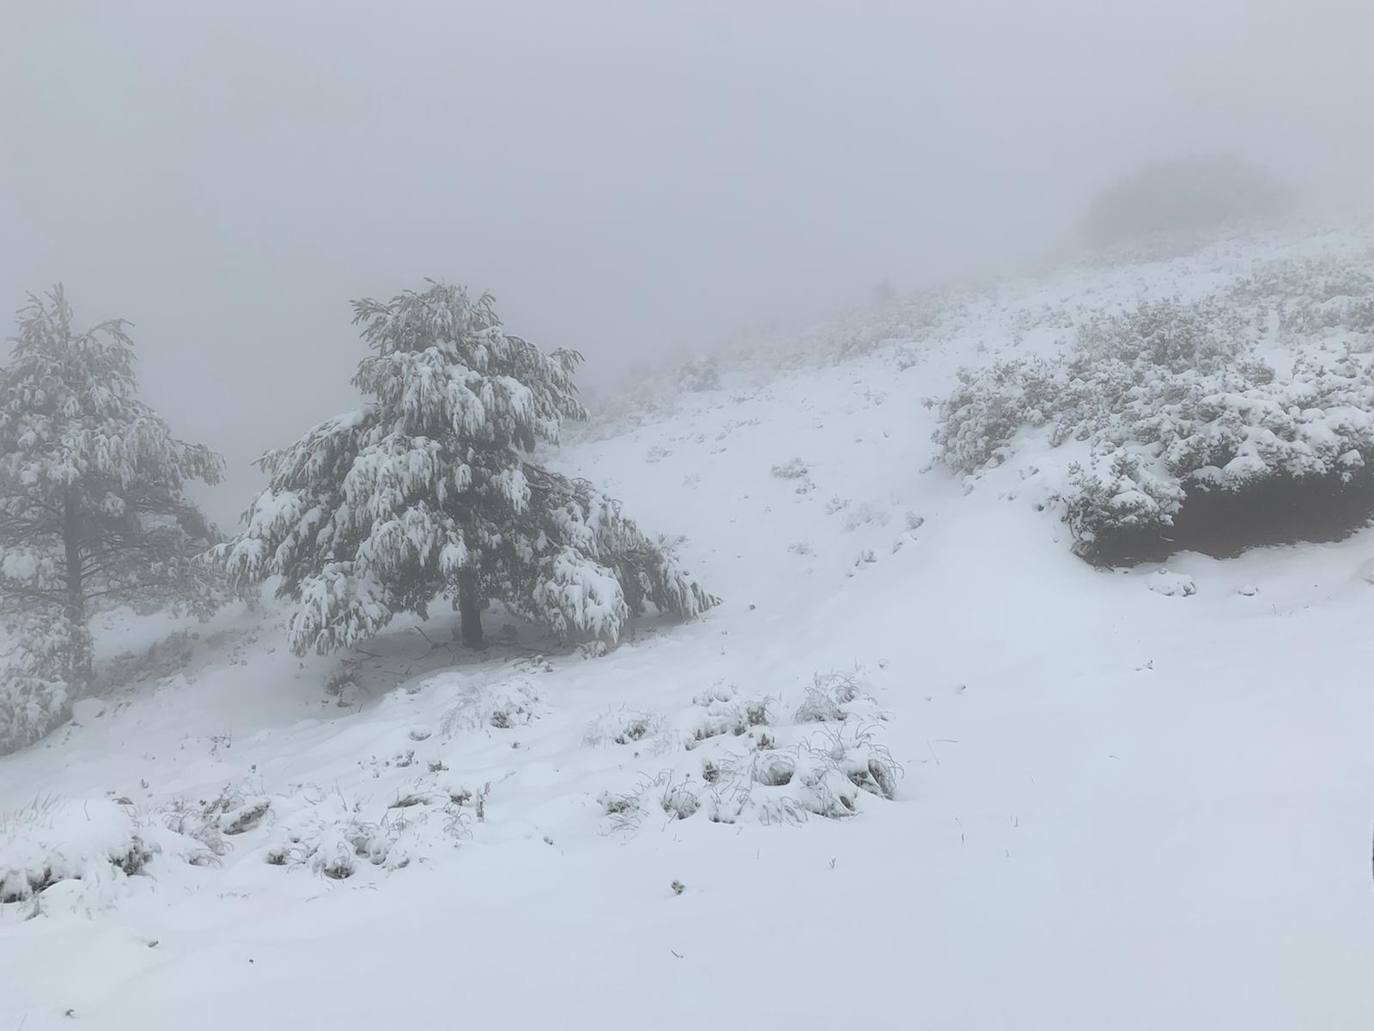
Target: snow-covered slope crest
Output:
[(919, 743)]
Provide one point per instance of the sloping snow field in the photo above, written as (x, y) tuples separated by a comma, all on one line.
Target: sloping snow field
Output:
[(1120, 804)]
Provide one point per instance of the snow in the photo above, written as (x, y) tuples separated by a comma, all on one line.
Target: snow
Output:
[(1117, 807)]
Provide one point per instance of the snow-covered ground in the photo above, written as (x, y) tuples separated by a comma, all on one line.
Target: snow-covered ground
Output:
[(1119, 799)]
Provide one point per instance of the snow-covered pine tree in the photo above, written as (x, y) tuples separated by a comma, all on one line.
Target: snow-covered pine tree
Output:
[(91, 508), (430, 492)]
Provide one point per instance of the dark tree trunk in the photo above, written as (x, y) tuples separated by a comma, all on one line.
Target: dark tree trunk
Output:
[(79, 661), (470, 610)]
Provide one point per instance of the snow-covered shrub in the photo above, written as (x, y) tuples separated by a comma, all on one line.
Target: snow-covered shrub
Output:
[(336, 838), (101, 842), (745, 765), (594, 649), (209, 823), (906, 358), (726, 713), (332, 848), (1111, 503), (1173, 408), (198, 828), (1122, 369), (904, 320), (793, 469), (621, 726), (51, 841), (1156, 338), (836, 763), (342, 683), (797, 470), (824, 772), (990, 405), (864, 514), (501, 705), (699, 374), (623, 811), (679, 799), (837, 696), (1314, 296), (239, 815)]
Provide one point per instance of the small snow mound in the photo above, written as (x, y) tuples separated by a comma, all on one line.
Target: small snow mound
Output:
[(1172, 585)]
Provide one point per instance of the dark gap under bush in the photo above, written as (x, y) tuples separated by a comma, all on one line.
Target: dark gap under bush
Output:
[(1223, 523)]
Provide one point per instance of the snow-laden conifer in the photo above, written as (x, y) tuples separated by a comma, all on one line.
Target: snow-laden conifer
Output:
[(92, 511), (430, 492)]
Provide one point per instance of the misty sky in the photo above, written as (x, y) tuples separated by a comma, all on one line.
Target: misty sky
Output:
[(627, 178)]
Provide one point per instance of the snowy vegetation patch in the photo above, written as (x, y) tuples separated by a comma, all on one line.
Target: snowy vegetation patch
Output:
[(99, 842), (52, 841), (501, 705), (720, 711), (794, 469), (769, 760), (336, 837), (698, 374), (102, 842), (206, 829), (797, 471), (1183, 436), (835, 697), (864, 514), (627, 727)]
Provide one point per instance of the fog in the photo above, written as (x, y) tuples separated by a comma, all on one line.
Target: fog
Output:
[(628, 179)]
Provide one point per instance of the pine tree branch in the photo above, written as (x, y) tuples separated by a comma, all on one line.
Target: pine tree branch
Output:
[(23, 590), (133, 588)]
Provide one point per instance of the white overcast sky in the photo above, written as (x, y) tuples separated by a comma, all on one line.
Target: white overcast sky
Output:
[(625, 177)]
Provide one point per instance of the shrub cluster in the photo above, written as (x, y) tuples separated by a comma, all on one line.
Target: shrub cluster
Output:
[(1313, 296), (755, 759), (1172, 405)]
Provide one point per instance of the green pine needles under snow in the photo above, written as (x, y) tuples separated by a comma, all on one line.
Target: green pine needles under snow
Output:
[(431, 491)]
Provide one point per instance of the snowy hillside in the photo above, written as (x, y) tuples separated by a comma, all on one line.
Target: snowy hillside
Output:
[(923, 766)]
